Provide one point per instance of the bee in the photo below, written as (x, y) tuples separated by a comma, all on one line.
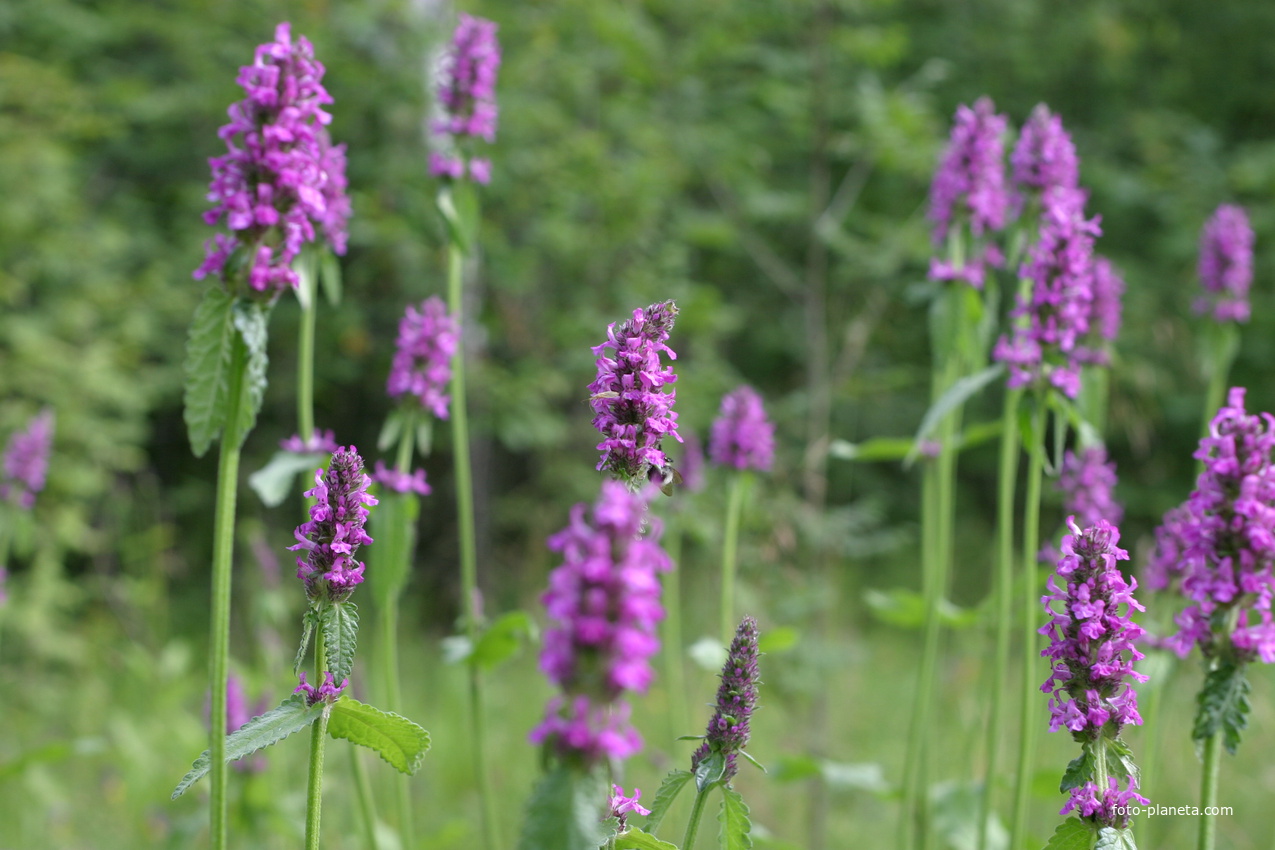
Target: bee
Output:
[(666, 477)]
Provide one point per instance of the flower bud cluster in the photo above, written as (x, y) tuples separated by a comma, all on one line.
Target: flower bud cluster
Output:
[(728, 730), (334, 532)]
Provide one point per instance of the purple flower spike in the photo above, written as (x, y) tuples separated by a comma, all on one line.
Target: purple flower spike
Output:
[(1055, 318), (401, 482), (1088, 481), (466, 99), (1092, 638), (633, 410), (742, 436), (427, 340), (728, 729), (26, 461), (1113, 807), (970, 181), (603, 603), (1105, 314), (281, 177), (1044, 156), (335, 530), (620, 805), (327, 692), (1220, 544), (1226, 265)]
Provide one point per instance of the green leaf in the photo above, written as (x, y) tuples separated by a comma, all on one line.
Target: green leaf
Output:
[(274, 481), (292, 715), (565, 812), (875, 449), (503, 639), (250, 321), (394, 528), (1120, 761), (906, 609), (340, 624), (458, 204), (330, 276), (397, 740), (1079, 771), (779, 639), (1223, 706), (736, 826), (309, 622), (307, 272), (1072, 834), (1110, 838), (669, 789), (956, 395), (207, 367), (424, 436), (393, 427), (635, 839), (710, 770)]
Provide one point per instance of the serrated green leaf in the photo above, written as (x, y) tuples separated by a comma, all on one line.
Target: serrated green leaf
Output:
[(503, 639), (958, 394), (340, 624), (207, 368), (635, 839), (274, 481), (1120, 761), (330, 276), (1071, 834), (1110, 838), (1222, 706), (309, 622), (736, 826), (565, 812), (669, 789), (1079, 771), (250, 321), (710, 770), (398, 741), (292, 715)]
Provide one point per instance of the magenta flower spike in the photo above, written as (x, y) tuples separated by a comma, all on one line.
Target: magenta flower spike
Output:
[(422, 367), (26, 461), (728, 729), (1043, 346), (1044, 156), (603, 604), (467, 100), (1088, 481), (1105, 314), (633, 410), (334, 532), (1226, 265), (742, 436), (280, 177)]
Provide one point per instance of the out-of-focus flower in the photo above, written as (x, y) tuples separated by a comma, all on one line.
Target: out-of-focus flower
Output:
[(334, 531), (26, 461), (969, 184), (1105, 314), (467, 100), (422, 367), (742, 436), (1226, 265), (322, 442), (401, 482), (1044, 156)]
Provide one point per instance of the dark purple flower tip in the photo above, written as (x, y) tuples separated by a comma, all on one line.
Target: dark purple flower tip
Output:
[(728, 730), (401, 482), (1044, 156), (969, 184), (323, 442), (334, 532), (742, 436), (327, 692), (1226, 265), (633, 411), (280, 178), (466, 100), (427, 339), (26, 461)]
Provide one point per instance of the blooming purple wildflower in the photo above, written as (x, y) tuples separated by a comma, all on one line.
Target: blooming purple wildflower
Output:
[(427, 340), (603, 603), (467, 99), (1110, 808), (1092, 638), (328, 691), (280, 176), (742, 436), (401, 482), (1044, 155), (1055, 317), (334, 531), (632, 410), (1105, 314), (1087, 482), (1226, 265), (971, 177), (323, 442), (620, 805), (26, 461), (1220, 544), (728, 729)]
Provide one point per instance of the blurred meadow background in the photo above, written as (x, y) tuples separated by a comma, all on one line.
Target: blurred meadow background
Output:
[(764, 164)]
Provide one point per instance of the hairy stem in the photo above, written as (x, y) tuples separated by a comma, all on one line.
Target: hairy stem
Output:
[(1208, 791), (318, 738), (692, 825), (305, 369)]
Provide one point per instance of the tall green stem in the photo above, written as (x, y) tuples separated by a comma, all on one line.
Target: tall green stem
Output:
[(305, 369), (1007, 478), (1223, 343), (400, 534), (1031, 614), (915, 749), (223, 559), (318, 738), (679, 714), (468, 544), (1208, 791), (692, 825), (367, 807), (730, 550)]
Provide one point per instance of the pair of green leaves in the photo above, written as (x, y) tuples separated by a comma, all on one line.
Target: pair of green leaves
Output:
[(733, 817), (1075, 834), (397, 740), (225, 368), (338, 622)]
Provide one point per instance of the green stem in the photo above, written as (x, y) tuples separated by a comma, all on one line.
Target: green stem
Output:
[(468, 544), (318, 738), (1152, 700), (673, 642), (692, 826), (730, 551), (223, 558), (916, 727), (1031, 613), (367, 803), (1208, 791), (1007, 478), (1224, 344), (305, 369), (402, 550)]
